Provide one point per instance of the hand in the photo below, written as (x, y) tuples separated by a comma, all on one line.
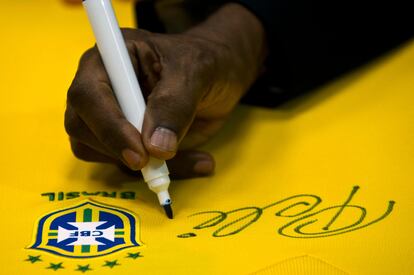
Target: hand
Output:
[(191, 82)]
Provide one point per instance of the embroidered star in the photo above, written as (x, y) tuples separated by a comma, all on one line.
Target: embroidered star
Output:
[(83, 268), (134, 255), (33, 259), (111, 264), (55, 266)]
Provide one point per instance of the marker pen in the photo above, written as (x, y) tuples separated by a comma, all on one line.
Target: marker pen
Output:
[(118, 65)]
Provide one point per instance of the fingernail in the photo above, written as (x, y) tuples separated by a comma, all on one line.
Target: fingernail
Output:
[(132, 159), (204, 167), (164, 139)]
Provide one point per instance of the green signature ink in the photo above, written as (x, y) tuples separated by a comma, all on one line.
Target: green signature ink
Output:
[(187, 235), (299, 207)]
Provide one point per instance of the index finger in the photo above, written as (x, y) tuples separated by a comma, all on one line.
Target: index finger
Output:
[(91, 96)]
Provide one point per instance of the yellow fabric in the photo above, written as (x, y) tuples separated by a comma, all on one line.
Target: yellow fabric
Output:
[(351, 143), (301, 265)]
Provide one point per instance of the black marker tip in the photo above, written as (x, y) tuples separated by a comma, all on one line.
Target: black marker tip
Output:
[(168, 210)]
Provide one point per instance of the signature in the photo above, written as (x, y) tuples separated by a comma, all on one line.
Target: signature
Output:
[(305, 220)]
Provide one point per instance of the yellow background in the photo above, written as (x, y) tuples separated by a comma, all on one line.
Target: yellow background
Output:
[(358, 130)]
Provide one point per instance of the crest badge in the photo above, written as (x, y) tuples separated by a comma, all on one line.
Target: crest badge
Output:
[(87, 230)]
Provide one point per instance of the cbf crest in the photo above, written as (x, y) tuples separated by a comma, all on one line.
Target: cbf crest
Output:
[(87, 230)]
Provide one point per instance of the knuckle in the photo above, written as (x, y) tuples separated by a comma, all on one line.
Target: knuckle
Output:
[(205, 65), (78, 93), (129, 33), (134, 34), (206, 60), (209, 66), (90, 74), (79, 150), (72, 124), (90, 55), (130, 44)]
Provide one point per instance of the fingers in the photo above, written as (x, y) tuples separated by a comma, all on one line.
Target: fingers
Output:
[(91, 98), (174, 88), (80, 133), (185, 165), (86, 153), (191, 164)]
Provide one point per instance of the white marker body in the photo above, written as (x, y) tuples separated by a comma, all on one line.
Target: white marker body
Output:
[(125, 84)]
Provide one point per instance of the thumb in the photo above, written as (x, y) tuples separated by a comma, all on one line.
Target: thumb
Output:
[(171, 108)]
